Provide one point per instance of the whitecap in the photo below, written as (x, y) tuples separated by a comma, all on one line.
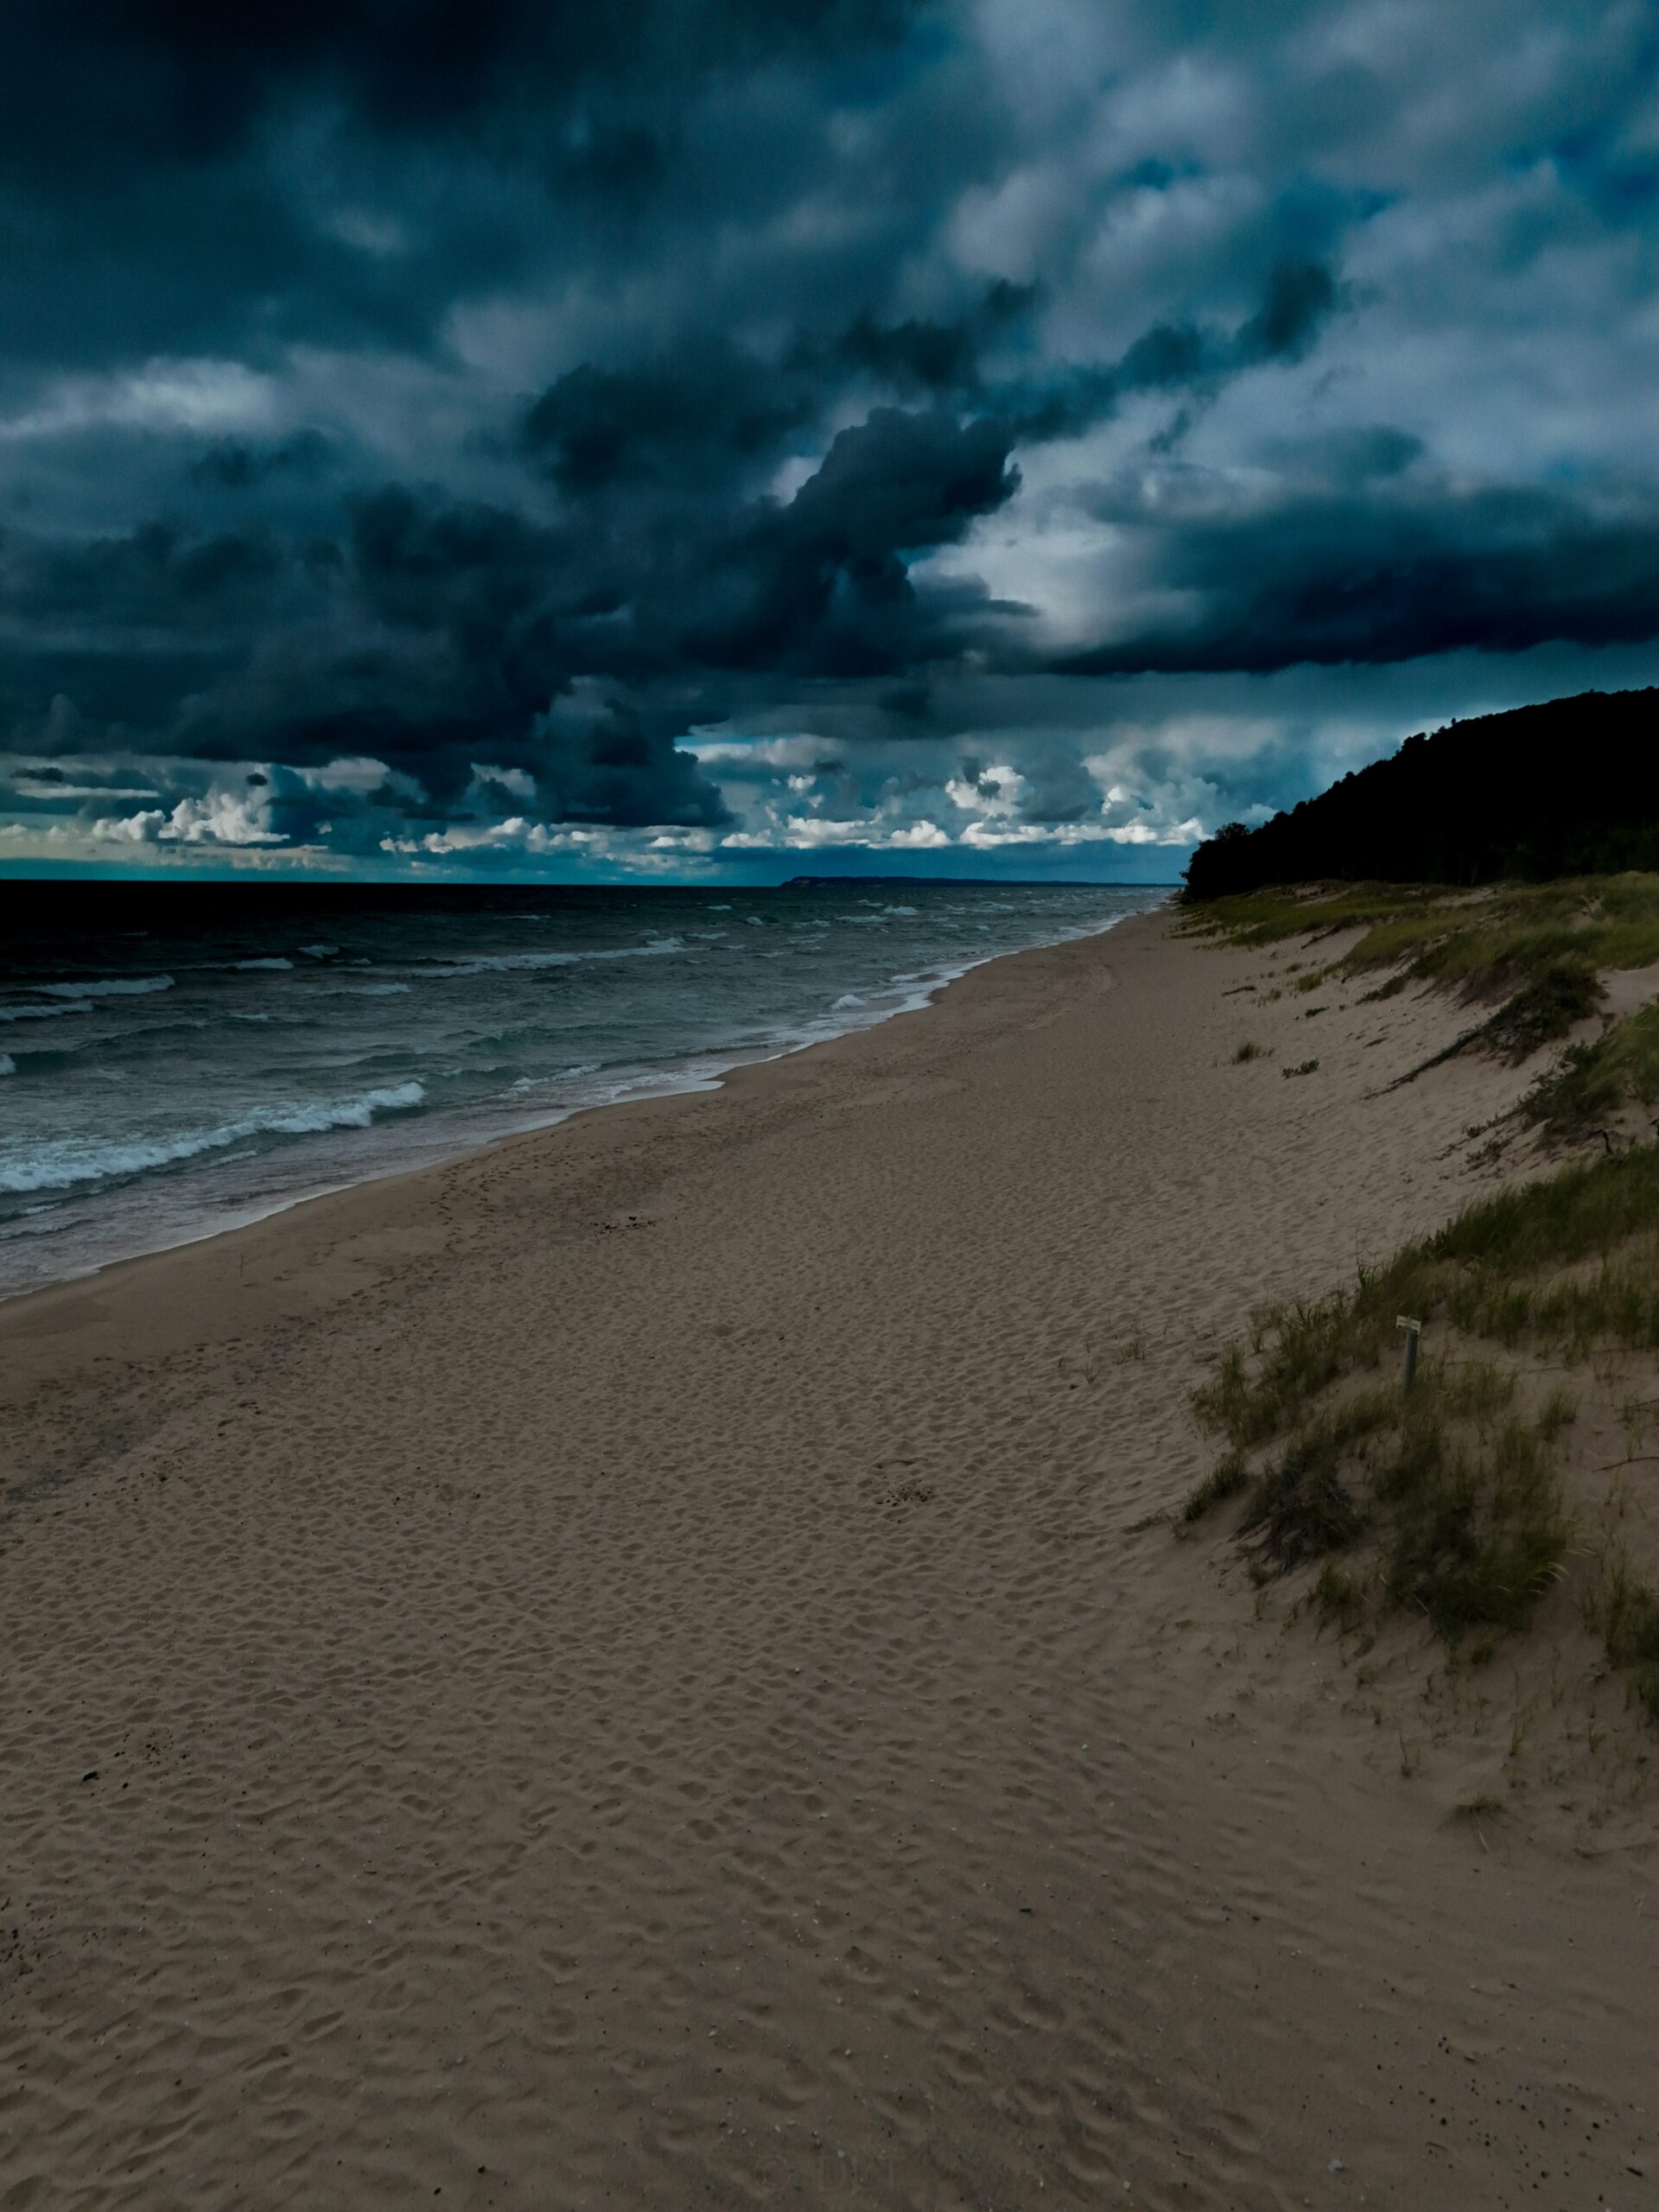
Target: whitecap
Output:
[(506, 962), (120, 987), (57, 1167), (44, 1013)]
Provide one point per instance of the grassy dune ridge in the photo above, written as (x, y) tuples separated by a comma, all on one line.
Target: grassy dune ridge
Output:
[(1533, 956)]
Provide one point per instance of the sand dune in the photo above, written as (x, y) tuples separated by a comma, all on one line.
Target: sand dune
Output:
[(640, 1668)]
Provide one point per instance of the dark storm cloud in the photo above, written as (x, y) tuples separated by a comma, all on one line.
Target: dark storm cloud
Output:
[(433, 630), (920, 354), (502, 392), (818, 582), (1344, 574), (238, 465), (1179, 358), (821, 585), (710, 410), (183, 82), (172, 154), (688, 419)]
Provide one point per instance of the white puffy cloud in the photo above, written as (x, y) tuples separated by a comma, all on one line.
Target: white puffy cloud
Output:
[(141, 828), (221, 818), (514, 834), (358, 776), (517, 783)]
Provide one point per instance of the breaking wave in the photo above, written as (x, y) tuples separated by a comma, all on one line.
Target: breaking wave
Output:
[(121, 987), (59, 1167)]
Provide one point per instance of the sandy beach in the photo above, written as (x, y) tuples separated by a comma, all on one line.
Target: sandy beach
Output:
[(649, 1666)]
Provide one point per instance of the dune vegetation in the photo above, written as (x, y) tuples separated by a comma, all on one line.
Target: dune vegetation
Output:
[(1528, 960), (1456, 1500), (1448, 1499)]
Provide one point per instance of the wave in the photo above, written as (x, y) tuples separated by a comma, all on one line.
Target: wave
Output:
[(563, 1075), (39, 1059), (244, 967), (319, 951), (43, 1013), (119, 986), (144, 1036), (58, 1167), (490, 963), (359, 990)]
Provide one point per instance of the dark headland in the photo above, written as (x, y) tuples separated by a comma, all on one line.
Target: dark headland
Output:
[(1568, 788)]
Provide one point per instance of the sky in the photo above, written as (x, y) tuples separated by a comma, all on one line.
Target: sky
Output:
[(718, 440)]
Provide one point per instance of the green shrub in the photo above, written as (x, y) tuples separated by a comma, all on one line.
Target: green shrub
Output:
[(1301, 1509), (1470, 1556), (1225, 1479), (1567, 992), (1592, 1083)]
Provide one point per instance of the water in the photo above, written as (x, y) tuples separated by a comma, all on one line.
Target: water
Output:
[(176, 1057)]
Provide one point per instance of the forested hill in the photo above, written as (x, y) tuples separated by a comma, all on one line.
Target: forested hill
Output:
[(1571, 788)]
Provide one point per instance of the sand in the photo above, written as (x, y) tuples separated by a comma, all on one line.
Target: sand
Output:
[(647, 1667)]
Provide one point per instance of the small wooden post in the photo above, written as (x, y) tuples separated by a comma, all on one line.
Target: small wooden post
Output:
[(1414, 1330)]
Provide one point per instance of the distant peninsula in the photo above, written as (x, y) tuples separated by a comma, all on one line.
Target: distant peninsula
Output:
[(880, 882), (1568, 788)]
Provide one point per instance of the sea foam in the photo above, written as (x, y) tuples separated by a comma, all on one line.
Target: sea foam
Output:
[(487, 963), (122, 987), (58, 1167)]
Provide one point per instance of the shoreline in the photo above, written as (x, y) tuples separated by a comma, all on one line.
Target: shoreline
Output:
[(659, 1658), (236, 1219), (14, 1305)]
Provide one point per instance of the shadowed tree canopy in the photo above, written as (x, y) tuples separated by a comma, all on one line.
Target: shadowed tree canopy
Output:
[(1570, 788)]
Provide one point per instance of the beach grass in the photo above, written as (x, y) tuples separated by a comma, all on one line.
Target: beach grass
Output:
[(1595, 1081), (1536, 953), (1447, 1500), (1485, 942)]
